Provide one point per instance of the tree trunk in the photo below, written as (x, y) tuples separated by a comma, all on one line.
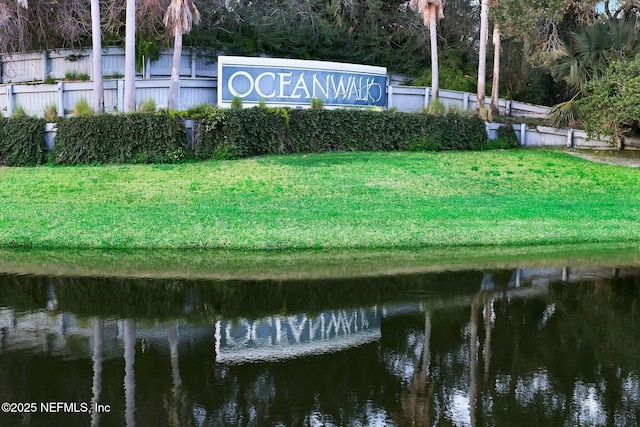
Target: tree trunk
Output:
[(172, 98), (482, 54), (433, 35), (495, 86), (96, 37), (129, 58)]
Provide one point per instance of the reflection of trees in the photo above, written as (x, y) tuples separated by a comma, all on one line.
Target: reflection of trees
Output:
[(484, 358), (98, 330), (129, 376), (416, 399)]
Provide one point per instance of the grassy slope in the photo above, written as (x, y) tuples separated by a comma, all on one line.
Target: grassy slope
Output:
[(367, 200)]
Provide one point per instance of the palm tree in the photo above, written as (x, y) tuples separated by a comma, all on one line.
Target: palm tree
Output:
[(482, 55), (587, 57), (129, 58), (431, 11), (495, 85), (180, 17), (96, 37)]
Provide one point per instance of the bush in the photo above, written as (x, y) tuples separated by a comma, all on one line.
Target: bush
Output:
[(258, 131), (82, 108), (22, 141), (121, 138), (506, 139)]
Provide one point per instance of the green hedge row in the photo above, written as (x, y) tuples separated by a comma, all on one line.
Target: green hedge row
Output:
[(161, 137), (22, 141), (256, 131), (121, 138)]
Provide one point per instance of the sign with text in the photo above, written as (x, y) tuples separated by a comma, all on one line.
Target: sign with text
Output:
[(294, 83)]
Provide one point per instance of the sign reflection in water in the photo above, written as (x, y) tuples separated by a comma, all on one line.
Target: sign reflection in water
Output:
[(532, 347)]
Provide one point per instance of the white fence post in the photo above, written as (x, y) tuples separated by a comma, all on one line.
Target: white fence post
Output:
[(193, 63), (10, 100), (45, 64), (523, 134), (389, 97), (570, 138), (427, 101), (120, 95), (61, 99)]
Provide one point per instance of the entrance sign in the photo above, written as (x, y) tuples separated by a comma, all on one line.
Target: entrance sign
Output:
[(294, 83)]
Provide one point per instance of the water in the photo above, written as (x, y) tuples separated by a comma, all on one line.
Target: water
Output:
[(554, 346)]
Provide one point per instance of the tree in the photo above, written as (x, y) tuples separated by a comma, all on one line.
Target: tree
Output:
[(482, 55), (495, 85), (129, 58), (180, 16), (96, 37), (431, 11), (586, 58), (611, 105)]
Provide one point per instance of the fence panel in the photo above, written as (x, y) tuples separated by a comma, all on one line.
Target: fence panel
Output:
[(113, 61), (194, 92), (22, 67), (35, 98), (205, 67), (62, 61), (406, 98)]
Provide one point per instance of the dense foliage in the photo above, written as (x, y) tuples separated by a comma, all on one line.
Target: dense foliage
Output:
[(256, 131), (611, 104), (120, 138), (22, 141)]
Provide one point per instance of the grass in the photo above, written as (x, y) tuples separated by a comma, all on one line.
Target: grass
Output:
[(348, 200)]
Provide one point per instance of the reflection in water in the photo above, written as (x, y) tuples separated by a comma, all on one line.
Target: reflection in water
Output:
[(532, 347)]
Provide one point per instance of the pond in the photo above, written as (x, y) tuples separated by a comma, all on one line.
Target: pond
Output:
[(513, 346)]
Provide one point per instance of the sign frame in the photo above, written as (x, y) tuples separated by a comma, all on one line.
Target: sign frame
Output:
[(293, 83)]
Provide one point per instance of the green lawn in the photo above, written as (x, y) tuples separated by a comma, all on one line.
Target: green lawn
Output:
[(348, 200)]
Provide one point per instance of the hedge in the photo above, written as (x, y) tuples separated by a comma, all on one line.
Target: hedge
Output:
[(121, 138), (161, 137), (22, 141), (257, 131)]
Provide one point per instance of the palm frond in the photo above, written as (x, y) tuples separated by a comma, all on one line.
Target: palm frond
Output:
[(563, 114)]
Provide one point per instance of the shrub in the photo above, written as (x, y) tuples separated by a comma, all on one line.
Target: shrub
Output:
[(82, 108), (257, 131), (506, 139), (22, 141), (435, 107), (51, 113), (317, 104), (49, 80), (76, 75), (236, 103), (18, 112), (121, 138), (147, 106)]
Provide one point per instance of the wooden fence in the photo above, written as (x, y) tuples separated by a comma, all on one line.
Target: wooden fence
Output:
[(64, 95), (37, 66)]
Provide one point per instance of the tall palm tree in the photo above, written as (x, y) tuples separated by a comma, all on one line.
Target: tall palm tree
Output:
[(495, 85), (130, 58), (96, 38), (482, 54), (431, 11), (180, 17)]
